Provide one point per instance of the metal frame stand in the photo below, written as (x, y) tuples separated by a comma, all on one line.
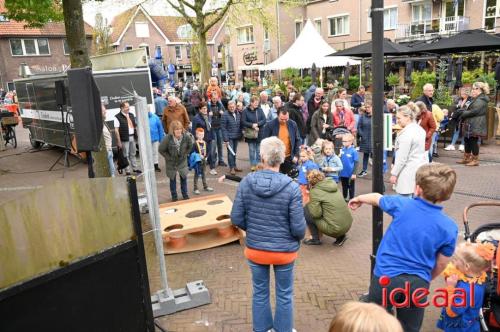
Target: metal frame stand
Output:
[(165, 301)]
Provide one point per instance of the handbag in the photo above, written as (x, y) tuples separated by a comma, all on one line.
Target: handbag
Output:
[(122, 161), (251, 133)]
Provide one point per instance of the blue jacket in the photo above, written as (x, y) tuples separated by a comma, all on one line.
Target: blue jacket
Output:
[(155, 128), (199, 122), (268, 206), (231, 127), (248, 118), (304, 168), (160, 104), (357, 100), (273, 128)]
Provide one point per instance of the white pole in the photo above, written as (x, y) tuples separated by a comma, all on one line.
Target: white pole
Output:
[(145, 146)]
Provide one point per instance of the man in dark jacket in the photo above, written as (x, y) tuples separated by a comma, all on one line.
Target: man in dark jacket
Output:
[(426, 98), (286, 130), (294, 109), (231, 133), (216, 110)]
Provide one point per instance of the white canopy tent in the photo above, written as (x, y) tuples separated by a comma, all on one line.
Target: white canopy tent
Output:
[(309, 48)]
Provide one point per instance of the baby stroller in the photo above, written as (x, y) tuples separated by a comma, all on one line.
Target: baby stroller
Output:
[(335, 135), (490, 311)]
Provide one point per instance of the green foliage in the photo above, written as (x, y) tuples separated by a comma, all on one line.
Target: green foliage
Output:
[(307, 82), (392, 79), (353, 82), (36, 13), (419, 79), (249, 84), (289, 73), (442, 95), (488, 78)]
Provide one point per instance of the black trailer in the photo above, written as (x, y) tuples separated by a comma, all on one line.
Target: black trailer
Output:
[(52, 124)]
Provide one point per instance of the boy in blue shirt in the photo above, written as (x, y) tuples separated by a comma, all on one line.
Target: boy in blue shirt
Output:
[(417, 245), (349, 158)]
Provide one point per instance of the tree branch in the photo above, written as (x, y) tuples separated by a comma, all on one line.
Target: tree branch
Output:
[(182, 10), (218, 16)]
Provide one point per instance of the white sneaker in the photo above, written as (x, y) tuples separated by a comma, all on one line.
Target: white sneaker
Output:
[(450, 148), (461, 148), (196, 192), (209, 189), (213, 171)]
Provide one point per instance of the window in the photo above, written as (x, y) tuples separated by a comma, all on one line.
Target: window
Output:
[(317, 25), (30, 46), (178, 54), (128, 47), (66, 49), (188, 51), (266, 34), (184, 31), (3, 18), (489, 14), (245, 35), (390, 19), (339, 25), (421, 12), (141, 30), (298, 28)]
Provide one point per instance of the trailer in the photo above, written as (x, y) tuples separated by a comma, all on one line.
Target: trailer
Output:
[(51, 123)]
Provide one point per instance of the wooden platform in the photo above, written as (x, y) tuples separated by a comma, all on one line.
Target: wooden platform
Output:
[(198, 223)]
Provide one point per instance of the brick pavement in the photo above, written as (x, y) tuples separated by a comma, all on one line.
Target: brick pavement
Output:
[(326, 276)]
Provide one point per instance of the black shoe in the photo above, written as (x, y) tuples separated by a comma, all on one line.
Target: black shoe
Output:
[(362, 173), (435, 155), (185, 197), (223, 164), (137, 171), (127, 174), (120, 171), (157, 169), (312, 242), (174, 199), (340, 241)]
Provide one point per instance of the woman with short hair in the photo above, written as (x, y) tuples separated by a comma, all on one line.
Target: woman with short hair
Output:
[(268, 206), (474, 123)]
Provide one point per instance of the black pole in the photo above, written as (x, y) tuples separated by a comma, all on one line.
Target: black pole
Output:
[(377, 120)]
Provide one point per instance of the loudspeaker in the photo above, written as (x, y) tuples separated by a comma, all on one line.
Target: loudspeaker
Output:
[(86, 109), (60, 93)]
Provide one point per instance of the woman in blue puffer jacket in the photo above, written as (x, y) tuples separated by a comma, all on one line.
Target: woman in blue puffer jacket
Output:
[(268, 206), (157, 133)]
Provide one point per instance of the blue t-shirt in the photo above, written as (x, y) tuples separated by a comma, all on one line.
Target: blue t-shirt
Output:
[(418, 232), (303, 169), (349, 157), (467, 319)]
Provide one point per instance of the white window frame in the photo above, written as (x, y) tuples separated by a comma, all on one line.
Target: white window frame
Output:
[(413, 5), (329, 18), (301, 22), (178, 47), (497, 14), (184, 31), (246, 41), (369, 19), (316, 20), (24, 48), (64, 49), (141, 33)]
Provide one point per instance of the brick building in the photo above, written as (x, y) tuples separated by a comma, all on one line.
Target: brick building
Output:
[(44, 50), (136, 28)]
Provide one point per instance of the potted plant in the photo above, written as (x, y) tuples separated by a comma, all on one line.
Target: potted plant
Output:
[(393, 80)]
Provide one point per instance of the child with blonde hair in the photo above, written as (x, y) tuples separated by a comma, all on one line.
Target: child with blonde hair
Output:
[(306, 164), (465, 279), (330, 163), (364, 317)]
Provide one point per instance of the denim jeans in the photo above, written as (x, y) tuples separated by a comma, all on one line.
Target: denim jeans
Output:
[(410, 318), (216, 148), (231, 159), (173, 187), (366, 158), (456, 134), (254, 152), (129, 151), (261, 305), (111, 163), (211, 157)]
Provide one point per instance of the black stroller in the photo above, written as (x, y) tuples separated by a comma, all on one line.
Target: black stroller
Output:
[(335, 135), (490, 311)]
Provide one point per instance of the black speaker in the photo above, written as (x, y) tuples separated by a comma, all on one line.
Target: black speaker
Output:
[(86, 109), (60, 93)]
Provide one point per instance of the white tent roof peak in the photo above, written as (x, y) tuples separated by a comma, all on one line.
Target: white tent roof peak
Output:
[(309, 48)]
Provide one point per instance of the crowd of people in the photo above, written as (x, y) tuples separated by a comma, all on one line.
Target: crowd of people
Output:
[(298, 160)]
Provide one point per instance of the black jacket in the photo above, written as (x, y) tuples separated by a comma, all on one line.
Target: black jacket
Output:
[(311, 110), (427, 101), (474, 117), (295, 113)]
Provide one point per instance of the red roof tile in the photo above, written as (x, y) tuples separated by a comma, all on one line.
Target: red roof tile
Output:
[(14, 28)]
